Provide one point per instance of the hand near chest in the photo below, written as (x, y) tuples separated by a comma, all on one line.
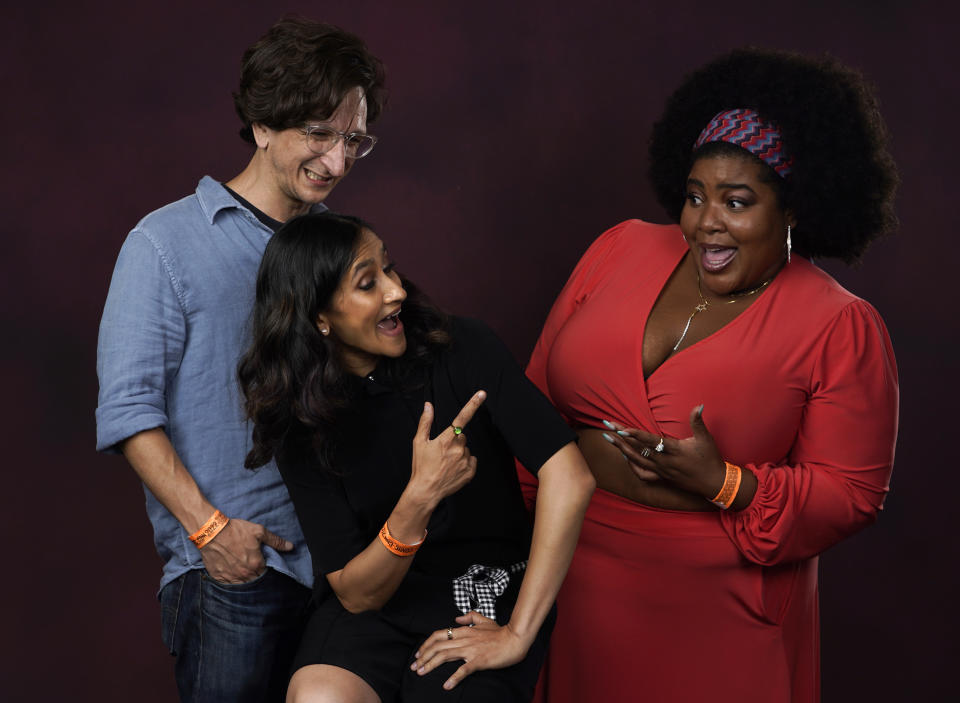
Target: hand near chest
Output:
[(443, 465), (693, 464)]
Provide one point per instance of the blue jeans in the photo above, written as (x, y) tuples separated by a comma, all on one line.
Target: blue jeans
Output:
[(233, 642)]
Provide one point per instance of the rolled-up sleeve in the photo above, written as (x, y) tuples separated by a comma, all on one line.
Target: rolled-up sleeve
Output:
[(141, 342)]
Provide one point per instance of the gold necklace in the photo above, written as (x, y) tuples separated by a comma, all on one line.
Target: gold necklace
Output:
[(704, 304)]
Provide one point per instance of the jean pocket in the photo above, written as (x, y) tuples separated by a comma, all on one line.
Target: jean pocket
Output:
[(271, 600), (250, 585)]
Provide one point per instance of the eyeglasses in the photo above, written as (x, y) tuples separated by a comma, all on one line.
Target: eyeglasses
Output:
[(320, 140)]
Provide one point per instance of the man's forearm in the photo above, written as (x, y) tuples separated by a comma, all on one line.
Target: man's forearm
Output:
[(156, 462)]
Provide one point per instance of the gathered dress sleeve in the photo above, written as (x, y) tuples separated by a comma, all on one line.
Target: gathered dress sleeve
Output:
[(838, 470)]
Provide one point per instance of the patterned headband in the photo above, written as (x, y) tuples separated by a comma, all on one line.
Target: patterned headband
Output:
[(746, 129)]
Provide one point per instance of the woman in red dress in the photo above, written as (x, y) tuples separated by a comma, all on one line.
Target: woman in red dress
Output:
[(737, 406)]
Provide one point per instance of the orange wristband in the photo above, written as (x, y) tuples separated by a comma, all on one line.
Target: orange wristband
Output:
[(398, 547), (731, 485), (210, 529)]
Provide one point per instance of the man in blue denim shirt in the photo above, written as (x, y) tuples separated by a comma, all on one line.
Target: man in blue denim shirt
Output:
[(174, 327)]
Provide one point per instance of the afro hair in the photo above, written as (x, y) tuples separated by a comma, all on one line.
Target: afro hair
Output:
[(843, 179)]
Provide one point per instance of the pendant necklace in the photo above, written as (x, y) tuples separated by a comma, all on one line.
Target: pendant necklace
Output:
[(704, 304)]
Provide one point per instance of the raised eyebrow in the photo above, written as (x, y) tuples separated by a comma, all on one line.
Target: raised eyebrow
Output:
[(721, 186), (735, 186)]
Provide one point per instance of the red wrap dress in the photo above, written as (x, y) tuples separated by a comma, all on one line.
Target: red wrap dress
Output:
[(801, 389)]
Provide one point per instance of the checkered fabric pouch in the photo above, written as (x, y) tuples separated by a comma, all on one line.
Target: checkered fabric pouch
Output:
[(479, 588)]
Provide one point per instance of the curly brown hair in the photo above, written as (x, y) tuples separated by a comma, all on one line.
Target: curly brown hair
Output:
[(301, 69), (843, 181)]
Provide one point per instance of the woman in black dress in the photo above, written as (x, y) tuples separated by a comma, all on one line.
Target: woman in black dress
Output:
[(430, 581)]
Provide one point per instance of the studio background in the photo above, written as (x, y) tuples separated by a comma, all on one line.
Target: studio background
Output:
[(515, 134)]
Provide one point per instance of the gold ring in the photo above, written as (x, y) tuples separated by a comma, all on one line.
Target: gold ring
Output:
[(449, 633), (457, 430)]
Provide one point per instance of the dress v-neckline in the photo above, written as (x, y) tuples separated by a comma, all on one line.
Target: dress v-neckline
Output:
[(673, 355)]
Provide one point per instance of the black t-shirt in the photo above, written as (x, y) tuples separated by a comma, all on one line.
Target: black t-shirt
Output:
[(484, 523), (273, 224)]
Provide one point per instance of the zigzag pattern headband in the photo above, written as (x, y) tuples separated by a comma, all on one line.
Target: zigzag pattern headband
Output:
[(746, 129)]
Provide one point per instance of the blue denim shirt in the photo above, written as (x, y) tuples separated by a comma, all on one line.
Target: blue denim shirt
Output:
[(176, 321)]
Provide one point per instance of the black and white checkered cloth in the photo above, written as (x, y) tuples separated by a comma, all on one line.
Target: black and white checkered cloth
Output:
[(479, 588)]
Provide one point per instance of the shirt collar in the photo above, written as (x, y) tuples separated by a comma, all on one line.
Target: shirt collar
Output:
[(214, 197), (373, 383)]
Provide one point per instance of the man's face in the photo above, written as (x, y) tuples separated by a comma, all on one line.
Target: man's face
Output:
[(298, 178)]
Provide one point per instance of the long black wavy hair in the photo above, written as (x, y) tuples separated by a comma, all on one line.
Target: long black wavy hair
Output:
[(843, 179), (291, 377)]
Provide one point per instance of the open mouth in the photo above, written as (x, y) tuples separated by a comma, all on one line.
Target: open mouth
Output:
[(716, 258), (390, 323)]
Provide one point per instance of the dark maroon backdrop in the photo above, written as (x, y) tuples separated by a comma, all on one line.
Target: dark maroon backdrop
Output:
[(515, 135)]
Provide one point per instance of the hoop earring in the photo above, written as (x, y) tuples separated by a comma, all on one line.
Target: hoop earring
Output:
[(789, 245)]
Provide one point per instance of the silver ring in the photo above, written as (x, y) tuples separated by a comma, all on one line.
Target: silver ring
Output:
[(449, 633), (659, 447), (645, 452)]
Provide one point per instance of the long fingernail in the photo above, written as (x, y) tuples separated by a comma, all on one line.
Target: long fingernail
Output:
[(607, 437), (609, 425), (623, 433)]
